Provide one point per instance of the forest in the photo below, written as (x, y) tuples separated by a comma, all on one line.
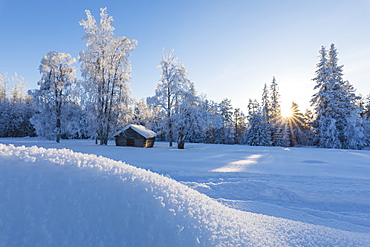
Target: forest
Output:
[(64, 107)]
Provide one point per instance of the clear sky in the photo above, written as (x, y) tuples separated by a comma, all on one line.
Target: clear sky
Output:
[(230, 48)]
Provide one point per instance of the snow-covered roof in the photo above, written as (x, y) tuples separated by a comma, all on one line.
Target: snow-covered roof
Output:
[(139, 129)]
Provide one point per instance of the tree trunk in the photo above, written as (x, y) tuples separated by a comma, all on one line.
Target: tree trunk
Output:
[(181, 142), (181, 145), (58, 130), (58, 107), (170, 134)]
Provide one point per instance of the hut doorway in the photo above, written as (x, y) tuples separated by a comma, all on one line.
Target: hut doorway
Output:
[(131, 142)]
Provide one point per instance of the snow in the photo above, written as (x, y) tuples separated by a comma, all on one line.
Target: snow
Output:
[(139, 129), (205, 195)]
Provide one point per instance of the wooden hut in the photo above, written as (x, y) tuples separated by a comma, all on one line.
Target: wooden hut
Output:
[(135, 136)]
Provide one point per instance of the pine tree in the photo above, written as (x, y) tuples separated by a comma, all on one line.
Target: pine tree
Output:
[(325, 105), (227, 131), (257, 133), (353, 134), (286, 135), (298, 127), (310, 135), (336, 124), (275, 108), (276, 124), (365, 117), (239, 125), (266, 105)]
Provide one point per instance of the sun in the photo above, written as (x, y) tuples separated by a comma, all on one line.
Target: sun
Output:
[(286, 111)]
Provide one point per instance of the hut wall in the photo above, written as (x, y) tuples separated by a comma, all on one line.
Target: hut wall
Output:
[(132, 138), (121, 141)]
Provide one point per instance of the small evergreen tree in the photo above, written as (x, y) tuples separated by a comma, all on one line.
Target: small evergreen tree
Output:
[(257, 133), (276, 125), (298, 127), (239, 125), (227, 130)]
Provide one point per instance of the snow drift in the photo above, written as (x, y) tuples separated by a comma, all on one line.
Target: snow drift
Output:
[(52, 197)]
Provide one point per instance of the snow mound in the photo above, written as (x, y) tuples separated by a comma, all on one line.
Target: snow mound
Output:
[(52, 197)]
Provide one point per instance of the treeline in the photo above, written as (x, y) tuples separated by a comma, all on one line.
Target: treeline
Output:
[(16, 109), (100, 104)]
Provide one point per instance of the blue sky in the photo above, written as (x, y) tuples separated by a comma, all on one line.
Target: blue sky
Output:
[(230, 48)]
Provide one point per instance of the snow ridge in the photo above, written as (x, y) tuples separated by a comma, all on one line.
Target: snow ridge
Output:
[(57, 197)]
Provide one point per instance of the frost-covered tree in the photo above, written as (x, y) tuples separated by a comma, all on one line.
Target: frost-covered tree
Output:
[(365, 104), (266, 104), (257, 133), (185, 115), (352, 129), (15, 119), (57, 76), (18, 90), (3, 86), (286, 135), (298, 127), (239, 125), (274, 117), (214, 125), (227, 131), (336, 124), (173, 80), (365, 117), (325, 105), (15, 108), (189, 116), (106, 67), (141, 112), (310, 135), (275, 108)]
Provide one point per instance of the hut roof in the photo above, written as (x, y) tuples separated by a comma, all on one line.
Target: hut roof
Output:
[(139, 129)]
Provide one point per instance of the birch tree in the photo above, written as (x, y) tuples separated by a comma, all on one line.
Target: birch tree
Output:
[(167, 95), (18, 90), (3, 86), (106, 67), (57, 76)]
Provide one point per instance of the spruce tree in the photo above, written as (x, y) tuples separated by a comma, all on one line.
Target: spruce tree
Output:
[(325, 105), (298, 127), (257, 133), (275, 119), (336, 123), (227, 131), (239, 125)]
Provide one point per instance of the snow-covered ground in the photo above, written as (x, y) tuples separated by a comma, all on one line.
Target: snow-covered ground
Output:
[(249, 196)]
